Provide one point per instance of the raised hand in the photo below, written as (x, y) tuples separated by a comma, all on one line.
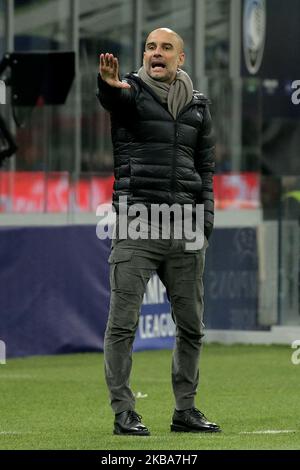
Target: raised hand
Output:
[(109, 71)]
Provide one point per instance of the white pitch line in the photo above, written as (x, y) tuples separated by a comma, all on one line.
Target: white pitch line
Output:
[(15, 376), (7, 433), (269, 431), (10, 432)]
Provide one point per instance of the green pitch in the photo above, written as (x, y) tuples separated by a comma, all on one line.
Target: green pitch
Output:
[(61, 402)]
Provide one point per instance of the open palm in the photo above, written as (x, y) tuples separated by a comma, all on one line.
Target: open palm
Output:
[(109, 71)]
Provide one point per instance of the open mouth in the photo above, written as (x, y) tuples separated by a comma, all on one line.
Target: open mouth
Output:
[(158, 65)]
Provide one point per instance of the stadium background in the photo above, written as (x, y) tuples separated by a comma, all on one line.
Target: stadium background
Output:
[(63, 169)]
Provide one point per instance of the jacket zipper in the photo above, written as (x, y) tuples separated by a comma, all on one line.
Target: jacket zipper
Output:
[(174, 161)]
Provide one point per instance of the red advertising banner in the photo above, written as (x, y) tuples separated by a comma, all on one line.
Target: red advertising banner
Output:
[(237, 191), (23, 192)]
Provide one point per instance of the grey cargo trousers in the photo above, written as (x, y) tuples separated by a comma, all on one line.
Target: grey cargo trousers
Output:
[(131, 264)]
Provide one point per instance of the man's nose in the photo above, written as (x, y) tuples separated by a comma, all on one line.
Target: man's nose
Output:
[(157, 52)]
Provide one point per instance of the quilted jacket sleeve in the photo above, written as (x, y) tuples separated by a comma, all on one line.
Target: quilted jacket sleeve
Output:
[(205, 165)]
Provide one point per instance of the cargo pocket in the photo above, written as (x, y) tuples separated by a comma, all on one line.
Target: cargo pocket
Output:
[(189, 269), (120, 270)]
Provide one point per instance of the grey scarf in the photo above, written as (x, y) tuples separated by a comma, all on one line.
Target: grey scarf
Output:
[(177, 95)]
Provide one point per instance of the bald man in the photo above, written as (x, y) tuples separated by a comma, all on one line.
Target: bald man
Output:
[(163, 155)]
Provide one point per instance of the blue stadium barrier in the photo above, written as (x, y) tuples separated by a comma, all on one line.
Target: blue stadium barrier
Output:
[(54, 290)]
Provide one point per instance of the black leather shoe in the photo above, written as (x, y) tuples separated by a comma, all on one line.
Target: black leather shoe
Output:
[(129, 423), (192, 420)]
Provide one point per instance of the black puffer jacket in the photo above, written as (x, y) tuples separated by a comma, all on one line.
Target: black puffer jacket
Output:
[(159, 159)]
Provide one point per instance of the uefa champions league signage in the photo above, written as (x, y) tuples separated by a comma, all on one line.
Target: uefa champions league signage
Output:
[(254, 33)]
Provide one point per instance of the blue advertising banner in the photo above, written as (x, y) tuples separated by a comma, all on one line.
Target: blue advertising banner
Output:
[(54, 290), (231, 280)]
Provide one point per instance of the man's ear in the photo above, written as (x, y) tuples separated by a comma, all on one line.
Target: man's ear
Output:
[(181, 59)]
